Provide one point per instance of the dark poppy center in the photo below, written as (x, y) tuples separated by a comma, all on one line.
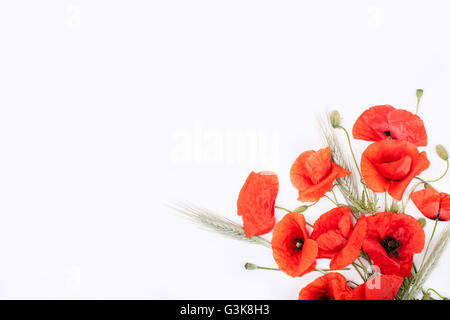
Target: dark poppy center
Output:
[(298, 244), (387, 133), (437, 216), (391, 246), (324, 297)]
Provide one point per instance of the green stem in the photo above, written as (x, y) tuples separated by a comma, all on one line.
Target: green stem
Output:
[(428, 245), (267, 268), (440, 296), (363, 267), (354, 159), (385, 201), (443, 175), (357, 270), (284, 209), (287, 210), (353, 282), (335, 203), (352, 199), (334, 195)]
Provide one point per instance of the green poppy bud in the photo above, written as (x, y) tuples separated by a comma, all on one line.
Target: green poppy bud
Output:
[(335, 119), (250, 266), (419, 93), (395, 207), (301, 209), (442, 153), (422, 221)]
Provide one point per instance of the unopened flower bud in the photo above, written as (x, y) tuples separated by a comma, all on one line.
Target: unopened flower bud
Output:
[(395, 207), (422, 221), (442, 153), (427, 296), (335, 119), (301, 208), (250, 266), (419, 93)]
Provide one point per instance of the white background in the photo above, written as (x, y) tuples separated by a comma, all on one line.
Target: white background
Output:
[(108, 109)]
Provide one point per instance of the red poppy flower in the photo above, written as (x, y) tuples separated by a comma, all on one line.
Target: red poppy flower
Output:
[(390, 165), (332, 286), (385, 122), (337, 239), (256, 203), (313, 174), (384, 287), (392, 240), (432, 204), (293, 251)]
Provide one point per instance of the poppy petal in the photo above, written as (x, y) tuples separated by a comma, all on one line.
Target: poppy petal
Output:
[(332, 286), (380, 258), (420, 164), (256, 203), (291, 260), (308, 258), (404, 229), (313, 174), (384, 287), (395, 170), (427, 201), (407, 126), (337, 218), (352, 248), (318, 165), (445, 207), (298, 169), (329, 243), (373, 178), (382, 122), (384, 166), (372, 123)]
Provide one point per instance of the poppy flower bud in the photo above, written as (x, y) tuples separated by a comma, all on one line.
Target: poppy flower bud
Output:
[(250, 266), (395, 207), (422, 221), (301, 208), (335, 119), (442, 153), (427, 296), (419, 93)]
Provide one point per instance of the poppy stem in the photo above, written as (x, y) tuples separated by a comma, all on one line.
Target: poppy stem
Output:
[(287, 210), (428, 245), (334, 195), (354, 159), (419, 93), (252, 266), (284, 209), (385, 201), (347, 194), (353, 282), (440, 296), (334, 202), (357, 270)]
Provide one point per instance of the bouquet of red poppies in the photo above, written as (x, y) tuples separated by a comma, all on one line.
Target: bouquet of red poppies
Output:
[(377, 238)]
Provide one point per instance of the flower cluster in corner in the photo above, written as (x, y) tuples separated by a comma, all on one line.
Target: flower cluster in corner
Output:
[(379, 241), (379, 244)]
